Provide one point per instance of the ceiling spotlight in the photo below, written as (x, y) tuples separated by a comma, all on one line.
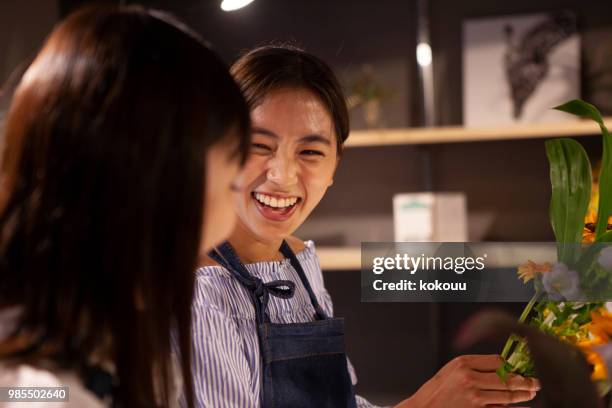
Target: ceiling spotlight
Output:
[(423, 52), (231, 5)]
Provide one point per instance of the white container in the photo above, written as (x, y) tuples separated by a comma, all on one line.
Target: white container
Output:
[(433, 217)]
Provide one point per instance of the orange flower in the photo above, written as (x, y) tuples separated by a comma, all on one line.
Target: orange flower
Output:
[(601, 324), (590, 220), (530, 269), (600, 372), (600, 330), (588, 232)]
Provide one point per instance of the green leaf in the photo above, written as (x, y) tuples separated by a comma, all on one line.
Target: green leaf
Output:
[(502, 372), (605, 237), (570, 177), (586, 110), (581, 108)]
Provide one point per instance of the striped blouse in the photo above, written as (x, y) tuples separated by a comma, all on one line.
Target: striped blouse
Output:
[(226, 365)]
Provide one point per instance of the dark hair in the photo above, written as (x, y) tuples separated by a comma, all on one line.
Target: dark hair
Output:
[(271, 67), (101, 201)]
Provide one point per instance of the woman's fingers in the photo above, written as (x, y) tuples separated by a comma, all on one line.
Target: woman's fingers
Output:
[(489, 362), (489, 397), (504, 406), (491, 381), (517, 382)]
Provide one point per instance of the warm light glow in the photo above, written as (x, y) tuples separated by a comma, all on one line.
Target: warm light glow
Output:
[(231, 5), (423, 52)]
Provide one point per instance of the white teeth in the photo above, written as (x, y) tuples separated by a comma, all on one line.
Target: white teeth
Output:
[(274, 201)]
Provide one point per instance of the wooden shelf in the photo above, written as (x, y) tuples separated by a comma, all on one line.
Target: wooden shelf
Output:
[(339, 258), (455, 134)]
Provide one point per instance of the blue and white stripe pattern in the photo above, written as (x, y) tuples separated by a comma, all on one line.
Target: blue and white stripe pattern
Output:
[(226, 365)]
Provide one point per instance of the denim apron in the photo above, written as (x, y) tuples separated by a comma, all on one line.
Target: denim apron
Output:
[(303, 365)]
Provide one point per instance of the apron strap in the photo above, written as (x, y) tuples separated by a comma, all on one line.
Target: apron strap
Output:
[(288, 253), (258, 290)]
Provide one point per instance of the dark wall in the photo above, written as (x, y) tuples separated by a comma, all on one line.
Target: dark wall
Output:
[(347, 34), (23, 26)]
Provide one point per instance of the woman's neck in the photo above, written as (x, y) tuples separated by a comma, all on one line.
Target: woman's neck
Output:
[(251, 248)]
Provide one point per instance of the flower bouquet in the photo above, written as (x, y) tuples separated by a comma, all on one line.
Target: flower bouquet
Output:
[(569, 300)]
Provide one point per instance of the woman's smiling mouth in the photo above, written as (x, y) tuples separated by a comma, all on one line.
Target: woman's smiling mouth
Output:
[(275, 208)]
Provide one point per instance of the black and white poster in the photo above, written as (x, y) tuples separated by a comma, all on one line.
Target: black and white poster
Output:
[(516, 68)]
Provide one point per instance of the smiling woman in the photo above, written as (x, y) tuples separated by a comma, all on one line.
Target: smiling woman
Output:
[(256, 296), (264, 331)]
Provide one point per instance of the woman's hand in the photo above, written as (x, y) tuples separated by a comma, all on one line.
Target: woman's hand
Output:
[(470, 382)]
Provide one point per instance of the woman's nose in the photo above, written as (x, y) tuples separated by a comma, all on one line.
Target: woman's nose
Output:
[(282, 171)]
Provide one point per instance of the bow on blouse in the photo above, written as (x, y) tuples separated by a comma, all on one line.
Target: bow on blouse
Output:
[(280, 288)]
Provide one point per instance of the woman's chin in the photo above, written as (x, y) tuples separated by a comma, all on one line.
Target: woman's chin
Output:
[(272, 230)]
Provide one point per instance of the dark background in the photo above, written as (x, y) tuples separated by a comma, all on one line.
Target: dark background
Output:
[(395, 347)]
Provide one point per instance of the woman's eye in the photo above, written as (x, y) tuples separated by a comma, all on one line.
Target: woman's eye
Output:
[(261, 146), (312, 153)]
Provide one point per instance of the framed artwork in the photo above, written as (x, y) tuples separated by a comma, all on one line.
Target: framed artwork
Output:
[(516, 68)]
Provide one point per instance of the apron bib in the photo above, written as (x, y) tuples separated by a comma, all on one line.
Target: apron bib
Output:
[(303, 365)]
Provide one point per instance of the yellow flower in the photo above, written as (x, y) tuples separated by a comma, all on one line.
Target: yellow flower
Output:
[(530, 269)]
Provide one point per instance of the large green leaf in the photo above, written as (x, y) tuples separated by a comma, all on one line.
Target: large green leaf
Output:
[(586, 110), (605, 237), (570, 177)]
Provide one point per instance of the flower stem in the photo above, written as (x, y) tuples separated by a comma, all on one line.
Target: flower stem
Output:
[(526, 311)]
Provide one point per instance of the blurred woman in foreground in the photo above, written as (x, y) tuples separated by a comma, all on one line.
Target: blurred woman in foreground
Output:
[(119, 135)]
